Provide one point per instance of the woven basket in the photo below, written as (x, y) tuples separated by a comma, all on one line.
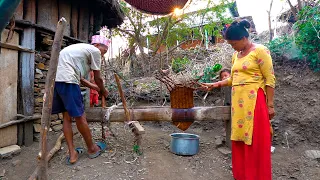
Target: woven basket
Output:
[(160, 7), (182, 98)]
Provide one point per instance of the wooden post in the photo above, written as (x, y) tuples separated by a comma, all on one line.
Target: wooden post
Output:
[(47, 107), (227, 102)]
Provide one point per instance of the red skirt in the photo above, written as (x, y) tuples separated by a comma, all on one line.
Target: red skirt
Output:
[(253, 162)]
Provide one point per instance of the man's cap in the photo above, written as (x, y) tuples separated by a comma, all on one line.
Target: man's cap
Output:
[(98, 39)]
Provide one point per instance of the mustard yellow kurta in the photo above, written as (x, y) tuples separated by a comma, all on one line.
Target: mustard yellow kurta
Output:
[(248, 74)]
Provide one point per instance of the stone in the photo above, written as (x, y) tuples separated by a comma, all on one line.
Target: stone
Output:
[(37, 128), (2, 173), (41, 66), (78, 168), (54, 117), (38, 71), (288, 78), (218, 141), (16, 163), (9, 151), (39, 100), (313, 154), (36, 137), (60, 116), (57, 122), (225, 151), (38, 76), (57, 127)]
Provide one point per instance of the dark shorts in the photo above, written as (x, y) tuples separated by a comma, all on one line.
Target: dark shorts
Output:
[(67, 98)]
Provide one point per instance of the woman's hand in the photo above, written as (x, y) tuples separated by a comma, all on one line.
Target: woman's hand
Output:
[(271, 112), (209, 86)]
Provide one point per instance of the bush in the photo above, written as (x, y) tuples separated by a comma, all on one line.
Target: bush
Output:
[(308, 35), (180, 64)]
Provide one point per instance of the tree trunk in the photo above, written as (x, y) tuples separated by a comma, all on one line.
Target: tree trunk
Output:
[(269, 21)]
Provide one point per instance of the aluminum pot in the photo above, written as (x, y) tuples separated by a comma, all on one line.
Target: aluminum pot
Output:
[(184, 144)]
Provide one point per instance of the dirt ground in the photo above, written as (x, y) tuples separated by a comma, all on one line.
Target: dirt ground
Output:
[(297, 129)]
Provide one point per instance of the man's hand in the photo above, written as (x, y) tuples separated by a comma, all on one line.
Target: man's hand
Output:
[(271, 112)]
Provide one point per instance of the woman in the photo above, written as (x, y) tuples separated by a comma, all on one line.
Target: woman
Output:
[(253, 81)]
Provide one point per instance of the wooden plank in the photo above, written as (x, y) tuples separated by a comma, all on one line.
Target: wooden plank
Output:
[(159, 114), (74, 19), (8, 79), (8, 136), (84, 19), (48, 13), (29, 10), (15, 47), (18, 14), (8, 89), (20, 134), (28, 133), (91, 25), (45, 30), (65, 11), (27, 72)]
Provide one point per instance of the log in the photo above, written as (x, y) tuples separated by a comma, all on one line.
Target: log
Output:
[(159, 113), (47, 106)]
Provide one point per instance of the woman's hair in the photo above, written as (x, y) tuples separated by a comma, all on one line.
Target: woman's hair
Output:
[(238, 30), (224, 70)]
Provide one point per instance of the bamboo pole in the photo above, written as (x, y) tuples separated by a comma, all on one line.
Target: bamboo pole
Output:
[(47, 107)]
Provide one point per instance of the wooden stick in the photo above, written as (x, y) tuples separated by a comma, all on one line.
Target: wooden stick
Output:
[(56, 147), (15, 47), (123, 99), (47, 107), (25, 119)]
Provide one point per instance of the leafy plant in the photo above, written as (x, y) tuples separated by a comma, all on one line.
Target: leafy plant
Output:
[(209, 73), (179, 64), (308, 35)]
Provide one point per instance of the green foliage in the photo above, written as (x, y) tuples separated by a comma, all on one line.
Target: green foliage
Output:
[(281, 45), (209, 73), (180, 64), (179, 30), (308, 35)]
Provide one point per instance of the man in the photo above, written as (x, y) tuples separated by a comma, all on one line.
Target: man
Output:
[(75, 63)]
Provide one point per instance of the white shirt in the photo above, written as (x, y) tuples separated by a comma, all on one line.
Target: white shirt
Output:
[(75, 61)]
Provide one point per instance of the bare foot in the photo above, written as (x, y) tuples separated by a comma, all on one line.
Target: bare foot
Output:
[(73, 156), (94, 149)]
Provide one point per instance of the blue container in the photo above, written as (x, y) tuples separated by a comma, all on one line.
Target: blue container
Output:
[(7, 8), (184, 144)]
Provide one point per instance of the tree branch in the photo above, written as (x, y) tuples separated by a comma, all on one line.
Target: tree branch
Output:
[(293, 10)]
